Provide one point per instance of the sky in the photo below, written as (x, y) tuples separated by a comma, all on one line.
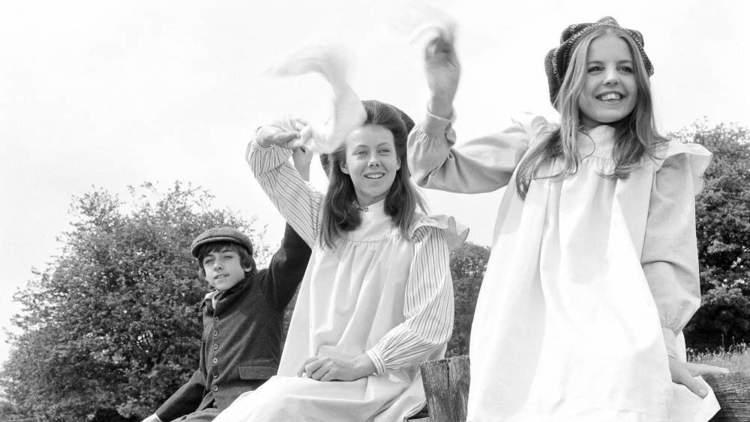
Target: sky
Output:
[(110, 94)]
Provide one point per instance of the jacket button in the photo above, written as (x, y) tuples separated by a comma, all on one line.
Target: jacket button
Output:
[(215, 361), (215, 388), (216, 333), (216, 347)]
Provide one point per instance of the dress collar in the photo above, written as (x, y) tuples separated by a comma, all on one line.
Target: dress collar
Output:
[(376, 207), (598, 141)]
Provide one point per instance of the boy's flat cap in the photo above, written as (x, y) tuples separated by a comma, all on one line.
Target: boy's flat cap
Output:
[(221, 234)]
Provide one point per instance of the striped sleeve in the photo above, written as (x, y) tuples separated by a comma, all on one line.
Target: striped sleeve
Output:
[(297, 202), (428, 307)]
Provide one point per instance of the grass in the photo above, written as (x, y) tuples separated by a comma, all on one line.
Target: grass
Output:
[(735, 358)]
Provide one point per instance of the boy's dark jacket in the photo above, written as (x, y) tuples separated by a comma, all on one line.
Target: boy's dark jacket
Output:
[(241, 343)]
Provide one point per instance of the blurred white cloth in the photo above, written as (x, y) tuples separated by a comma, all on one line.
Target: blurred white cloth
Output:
[(348, 113)]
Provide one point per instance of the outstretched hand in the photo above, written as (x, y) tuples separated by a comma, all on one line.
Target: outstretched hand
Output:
[(443, 72), (684, 373), (337, 369)]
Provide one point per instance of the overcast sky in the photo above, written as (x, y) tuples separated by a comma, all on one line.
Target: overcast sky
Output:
[(111, 94)]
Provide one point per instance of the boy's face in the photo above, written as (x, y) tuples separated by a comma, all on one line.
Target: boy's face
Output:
[(223, 268)]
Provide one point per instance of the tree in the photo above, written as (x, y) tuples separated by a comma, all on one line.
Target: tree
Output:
[(723, 228), (113, 325)]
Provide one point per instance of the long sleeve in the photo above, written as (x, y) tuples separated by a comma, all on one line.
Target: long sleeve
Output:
[(286, 270), (670, 252), (480, 165), (428, 307), (295, 199), (185, 400)]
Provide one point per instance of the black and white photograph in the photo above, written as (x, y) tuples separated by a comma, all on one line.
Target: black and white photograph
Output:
[(375, 211)]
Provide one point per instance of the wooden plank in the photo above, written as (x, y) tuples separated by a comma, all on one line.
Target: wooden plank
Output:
[(733, 392), (446, 384)]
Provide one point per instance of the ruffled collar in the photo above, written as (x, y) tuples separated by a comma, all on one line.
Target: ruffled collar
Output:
[(372, 209), (375, 224), (597, 142)]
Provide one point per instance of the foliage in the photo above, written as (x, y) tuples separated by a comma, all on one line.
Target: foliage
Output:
[(9, 413), (468, 264), (113, 324), (723, 228)]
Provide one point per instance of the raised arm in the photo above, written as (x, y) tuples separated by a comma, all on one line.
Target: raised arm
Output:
[(302, 156), (286, 270), (480, 165), (268, 156), (443, 71)]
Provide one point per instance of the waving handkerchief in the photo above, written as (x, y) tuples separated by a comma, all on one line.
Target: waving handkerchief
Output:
[(440, 26), (332, 63), (421, 21)]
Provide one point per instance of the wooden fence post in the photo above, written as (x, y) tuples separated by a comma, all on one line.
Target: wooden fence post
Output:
[(446, 385)]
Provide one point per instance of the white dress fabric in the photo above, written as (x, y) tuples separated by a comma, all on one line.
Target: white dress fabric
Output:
[(589, 283), (377, 292)]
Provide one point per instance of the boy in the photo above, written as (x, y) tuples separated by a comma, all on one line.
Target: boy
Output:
[(242, 321), (242, 317)]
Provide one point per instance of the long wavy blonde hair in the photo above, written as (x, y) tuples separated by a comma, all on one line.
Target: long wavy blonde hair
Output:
[(635, 135)]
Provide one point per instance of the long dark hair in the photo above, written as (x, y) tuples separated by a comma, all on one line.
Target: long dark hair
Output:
[(340, 211), (635, 135)]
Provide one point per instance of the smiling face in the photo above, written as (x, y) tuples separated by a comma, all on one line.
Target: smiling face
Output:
[(609, 91), (223, 268), (371, 162)]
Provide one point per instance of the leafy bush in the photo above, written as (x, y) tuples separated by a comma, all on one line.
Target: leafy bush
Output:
[(723, 228), (113, 325)]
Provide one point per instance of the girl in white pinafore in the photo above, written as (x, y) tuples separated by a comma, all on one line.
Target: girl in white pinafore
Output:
[(377, 298), (593, 272)]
